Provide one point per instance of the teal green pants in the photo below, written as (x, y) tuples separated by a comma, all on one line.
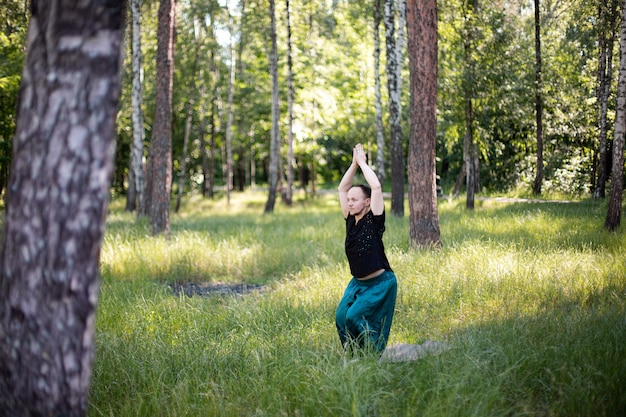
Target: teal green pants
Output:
[(365, 312)]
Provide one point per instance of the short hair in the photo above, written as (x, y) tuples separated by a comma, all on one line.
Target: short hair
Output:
[(367, 190)]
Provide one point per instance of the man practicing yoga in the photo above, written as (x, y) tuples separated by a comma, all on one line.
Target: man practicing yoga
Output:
[(365, 312)]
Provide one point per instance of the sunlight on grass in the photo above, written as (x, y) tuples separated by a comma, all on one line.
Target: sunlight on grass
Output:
[(529, 296)]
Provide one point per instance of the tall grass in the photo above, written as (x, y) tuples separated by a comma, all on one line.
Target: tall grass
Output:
[(530, 296)]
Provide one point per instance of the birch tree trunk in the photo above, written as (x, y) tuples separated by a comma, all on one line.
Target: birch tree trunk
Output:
[(160, 159), (380, 138), (135, 171), (397, 157), (470, 149), (422, 47), (274, 141), (614, 213), (606, 39), (57, 198)]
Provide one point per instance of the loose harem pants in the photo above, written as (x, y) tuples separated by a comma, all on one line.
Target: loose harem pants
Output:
[(365, 312)]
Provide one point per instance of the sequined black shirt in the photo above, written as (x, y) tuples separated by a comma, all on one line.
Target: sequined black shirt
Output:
[(364, 244)]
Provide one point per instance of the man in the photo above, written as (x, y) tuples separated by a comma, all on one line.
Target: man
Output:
[(365, 312)]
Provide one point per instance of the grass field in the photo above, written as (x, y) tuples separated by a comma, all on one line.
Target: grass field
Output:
[(531, 298)]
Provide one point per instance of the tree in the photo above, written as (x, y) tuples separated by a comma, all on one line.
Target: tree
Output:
[(56, 206), (135, 171), (229, 119), (290, 99), (159, 184), (538, 102), (274, 139), (393, 86), (380, 138), (470, 148), (606, 38), (614, 213), (422, 47)]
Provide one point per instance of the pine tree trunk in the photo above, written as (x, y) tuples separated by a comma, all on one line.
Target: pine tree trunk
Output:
[(135, 172), (422, 46), (614, 213), (57, 201), (274, 141), (160, 159)]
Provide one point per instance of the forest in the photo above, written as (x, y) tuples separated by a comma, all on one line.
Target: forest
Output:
[(333, 93), (114, 114)]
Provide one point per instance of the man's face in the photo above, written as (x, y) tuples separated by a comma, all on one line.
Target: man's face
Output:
[(358, 203)]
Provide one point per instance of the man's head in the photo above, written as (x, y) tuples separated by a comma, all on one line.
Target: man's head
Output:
[(359, 199)]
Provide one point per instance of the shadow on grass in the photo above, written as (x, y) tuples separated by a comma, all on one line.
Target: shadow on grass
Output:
[(566, 359)]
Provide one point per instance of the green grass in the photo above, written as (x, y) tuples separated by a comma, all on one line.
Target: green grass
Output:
[(530, 296)]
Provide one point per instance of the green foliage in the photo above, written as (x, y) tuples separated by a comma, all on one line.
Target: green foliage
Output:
[(334, 87), (12, 39), (528, 295)]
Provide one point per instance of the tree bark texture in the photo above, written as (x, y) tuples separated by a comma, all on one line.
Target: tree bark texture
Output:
[(274, 140), (538, 102), (397, 154), (606, 39), (160, 159), (380, 137), (57, 199), (135, 173), (422, 47), (614, 213)]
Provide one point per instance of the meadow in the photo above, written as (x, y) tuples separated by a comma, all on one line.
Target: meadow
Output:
[(530, 297)]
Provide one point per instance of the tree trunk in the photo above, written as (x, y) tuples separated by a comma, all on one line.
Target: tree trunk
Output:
[(229, 120), (274, 141), (422, 46), (607, 19), (538, 102), (212, 151), (209, 165), (380, 138), (397, 157), (135, 171), (204, 161), (470, 151), (160, 159), (614, 213), (57, 198), (290, 99)]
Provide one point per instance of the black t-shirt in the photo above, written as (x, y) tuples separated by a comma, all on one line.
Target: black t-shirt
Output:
[(364, 244)]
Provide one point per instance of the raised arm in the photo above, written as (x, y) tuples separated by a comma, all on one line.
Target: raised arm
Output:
[(345, 185), (377, 204), (359, 160)]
